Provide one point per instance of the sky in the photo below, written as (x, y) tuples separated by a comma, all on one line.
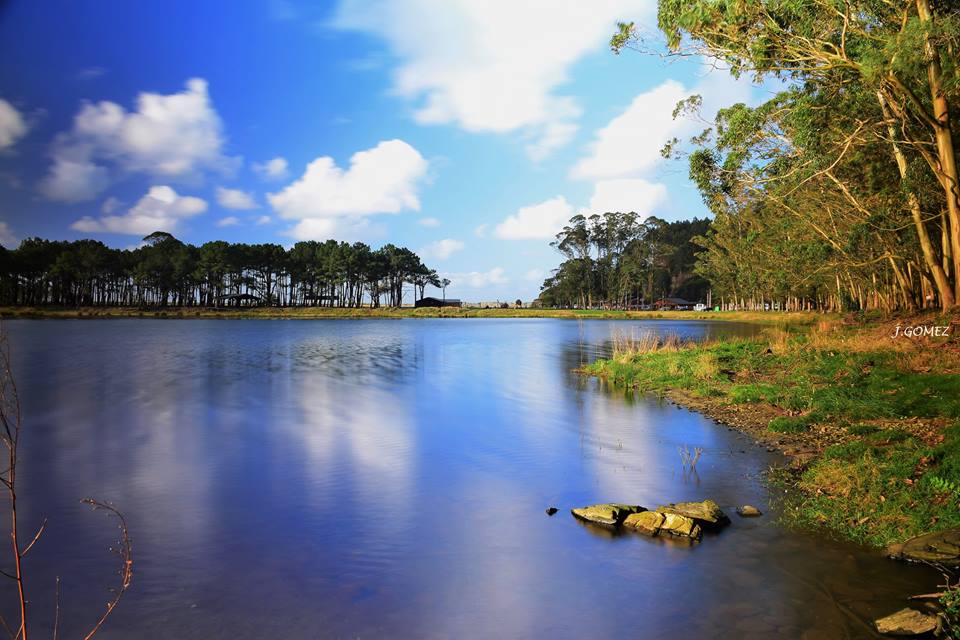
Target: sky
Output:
[(468, 131)]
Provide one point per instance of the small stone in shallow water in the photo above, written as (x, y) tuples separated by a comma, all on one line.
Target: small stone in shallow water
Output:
[(551, 511), (681, 526), (942, 547), (748, 511), (646, 522), (610, 514), (707, 511), (907, 622)]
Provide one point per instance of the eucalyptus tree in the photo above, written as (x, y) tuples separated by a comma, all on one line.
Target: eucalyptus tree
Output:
[(873, 92)]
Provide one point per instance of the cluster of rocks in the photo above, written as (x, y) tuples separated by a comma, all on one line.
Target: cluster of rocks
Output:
[(939, 549), (681, 519)]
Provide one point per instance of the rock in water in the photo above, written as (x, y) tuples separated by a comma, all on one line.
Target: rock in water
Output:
[(707, 511), (681, 526), (748, 511), (942, 547), (907, 622), (646, 522), (551, 511), (608, 515)]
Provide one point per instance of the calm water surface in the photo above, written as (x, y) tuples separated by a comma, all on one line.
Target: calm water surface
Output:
[(388, 479)]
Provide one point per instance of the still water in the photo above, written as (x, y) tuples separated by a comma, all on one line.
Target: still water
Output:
[(388, 479)]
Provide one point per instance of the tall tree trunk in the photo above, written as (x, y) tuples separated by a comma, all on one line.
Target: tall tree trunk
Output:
[(944, 288), (944, 136)]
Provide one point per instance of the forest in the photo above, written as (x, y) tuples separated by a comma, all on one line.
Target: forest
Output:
[(841, 190), (167, 272), (618, 260)]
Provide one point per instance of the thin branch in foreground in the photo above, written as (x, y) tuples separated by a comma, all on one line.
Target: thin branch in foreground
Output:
[(125, 550)]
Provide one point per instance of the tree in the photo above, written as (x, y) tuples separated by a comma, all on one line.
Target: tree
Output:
[(872, 89)]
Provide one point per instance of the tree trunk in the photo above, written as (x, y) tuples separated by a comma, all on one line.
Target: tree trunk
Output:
[(945, 151)]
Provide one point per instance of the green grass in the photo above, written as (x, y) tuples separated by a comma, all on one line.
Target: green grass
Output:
[(876, 484), (883, 488)]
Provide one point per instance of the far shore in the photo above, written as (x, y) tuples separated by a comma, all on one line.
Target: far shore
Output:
[(315, 313)]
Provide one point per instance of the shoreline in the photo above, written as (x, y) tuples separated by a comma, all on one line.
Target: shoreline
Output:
[(870, 425), (325, 313)]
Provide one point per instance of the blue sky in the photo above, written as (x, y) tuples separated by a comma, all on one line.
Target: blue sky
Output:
[(466, 130)]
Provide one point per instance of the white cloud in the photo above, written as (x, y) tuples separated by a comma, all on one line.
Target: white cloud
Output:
[(235, 199), (110, 205), (345, 229), (384, 179), (626, 195), (492, 65), (441, 249), (167, 136), (74, 180), (161, 209), (539, 221), (264, 220), (478, 279), (629, 145), (481, 230), (428, 222), (534, 275), (12, 125), (229, 221), (7, 237), (274, 169)]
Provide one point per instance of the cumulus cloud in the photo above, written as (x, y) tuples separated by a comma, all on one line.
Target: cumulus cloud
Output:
[(235, 199), (274, 169), (627, 194), (441, 249), (346, 229), (481, 230), (12, 125), (494, 66), (478, 279), (384, 179), (229, 221), (629, 145), (166, 136), (74, 180), (542, 221), (264, 220), (536, 222), (161, 209), (7, 237), (110, 205), (428, 222), (534, 275)]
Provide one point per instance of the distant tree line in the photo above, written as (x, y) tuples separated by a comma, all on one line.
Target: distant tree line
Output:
[(620, 260), (167, 272)]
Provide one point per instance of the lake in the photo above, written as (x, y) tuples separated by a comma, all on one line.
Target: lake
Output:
[(388, 478)]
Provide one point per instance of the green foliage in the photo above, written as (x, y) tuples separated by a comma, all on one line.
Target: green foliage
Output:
[(808, 196), (616, 260), (165, 271), (790, 424)]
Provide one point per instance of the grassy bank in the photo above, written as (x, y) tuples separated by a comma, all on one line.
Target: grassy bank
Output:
[(873, 420), (310, 313)]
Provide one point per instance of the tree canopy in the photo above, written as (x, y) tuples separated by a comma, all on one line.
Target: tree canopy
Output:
[(842, 189), (165, 271)]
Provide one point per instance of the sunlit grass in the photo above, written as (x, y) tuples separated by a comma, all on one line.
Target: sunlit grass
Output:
[(893, 469)]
